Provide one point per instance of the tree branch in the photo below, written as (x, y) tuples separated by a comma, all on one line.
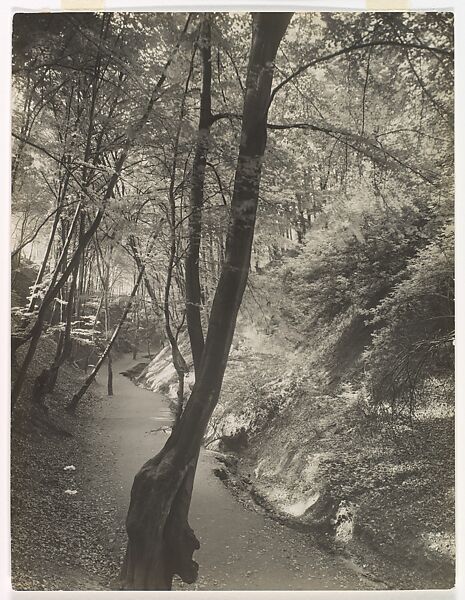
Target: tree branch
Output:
[(365, 145), (47, 218), (354, 47)]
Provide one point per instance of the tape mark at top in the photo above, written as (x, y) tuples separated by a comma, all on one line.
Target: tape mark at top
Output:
[(78, 5), (387, 4)]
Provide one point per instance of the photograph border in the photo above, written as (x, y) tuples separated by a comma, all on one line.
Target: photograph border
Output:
[(7, 9)]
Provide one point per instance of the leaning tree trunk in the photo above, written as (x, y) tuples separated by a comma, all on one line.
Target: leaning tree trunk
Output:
[(85, 386), (140, 264), (45, 258), (160, 540), (46, 381)]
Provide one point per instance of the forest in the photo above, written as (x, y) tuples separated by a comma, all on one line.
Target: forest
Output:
[(232, 301)]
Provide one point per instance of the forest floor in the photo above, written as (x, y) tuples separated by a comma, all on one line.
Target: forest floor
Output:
[(68, 523)]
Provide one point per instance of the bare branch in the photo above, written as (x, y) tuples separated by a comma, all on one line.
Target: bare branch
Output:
[(47, 218)]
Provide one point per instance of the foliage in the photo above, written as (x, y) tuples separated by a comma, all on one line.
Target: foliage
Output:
[(413, 341), (352, 261), (371, 288)]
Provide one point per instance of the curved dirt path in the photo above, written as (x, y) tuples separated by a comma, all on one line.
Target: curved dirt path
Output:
[(241, 548)]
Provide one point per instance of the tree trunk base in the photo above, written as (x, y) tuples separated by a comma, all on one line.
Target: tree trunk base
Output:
[(160, 541)]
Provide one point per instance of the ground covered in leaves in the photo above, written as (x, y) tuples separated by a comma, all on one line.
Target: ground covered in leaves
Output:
[(62, 527)]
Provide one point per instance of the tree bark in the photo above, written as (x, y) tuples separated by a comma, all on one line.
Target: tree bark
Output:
[(46, 381), (110, 375), (46, 256), (193, 291), (135, 346), (160, 540), (139, 263), (106, 283), (179, 363)]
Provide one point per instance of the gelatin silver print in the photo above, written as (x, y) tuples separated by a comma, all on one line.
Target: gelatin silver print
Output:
[(232, 301)]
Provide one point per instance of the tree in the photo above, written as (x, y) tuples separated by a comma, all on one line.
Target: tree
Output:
[(106, 353), (60, 277), (160, 540), (193, 293)]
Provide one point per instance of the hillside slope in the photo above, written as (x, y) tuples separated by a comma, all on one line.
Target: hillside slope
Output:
[(314, 457)]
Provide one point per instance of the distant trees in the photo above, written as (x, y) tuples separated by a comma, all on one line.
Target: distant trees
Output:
[(107, 350), (95, 167)]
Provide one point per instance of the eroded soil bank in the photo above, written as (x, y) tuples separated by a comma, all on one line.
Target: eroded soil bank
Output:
[(312, 456)]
